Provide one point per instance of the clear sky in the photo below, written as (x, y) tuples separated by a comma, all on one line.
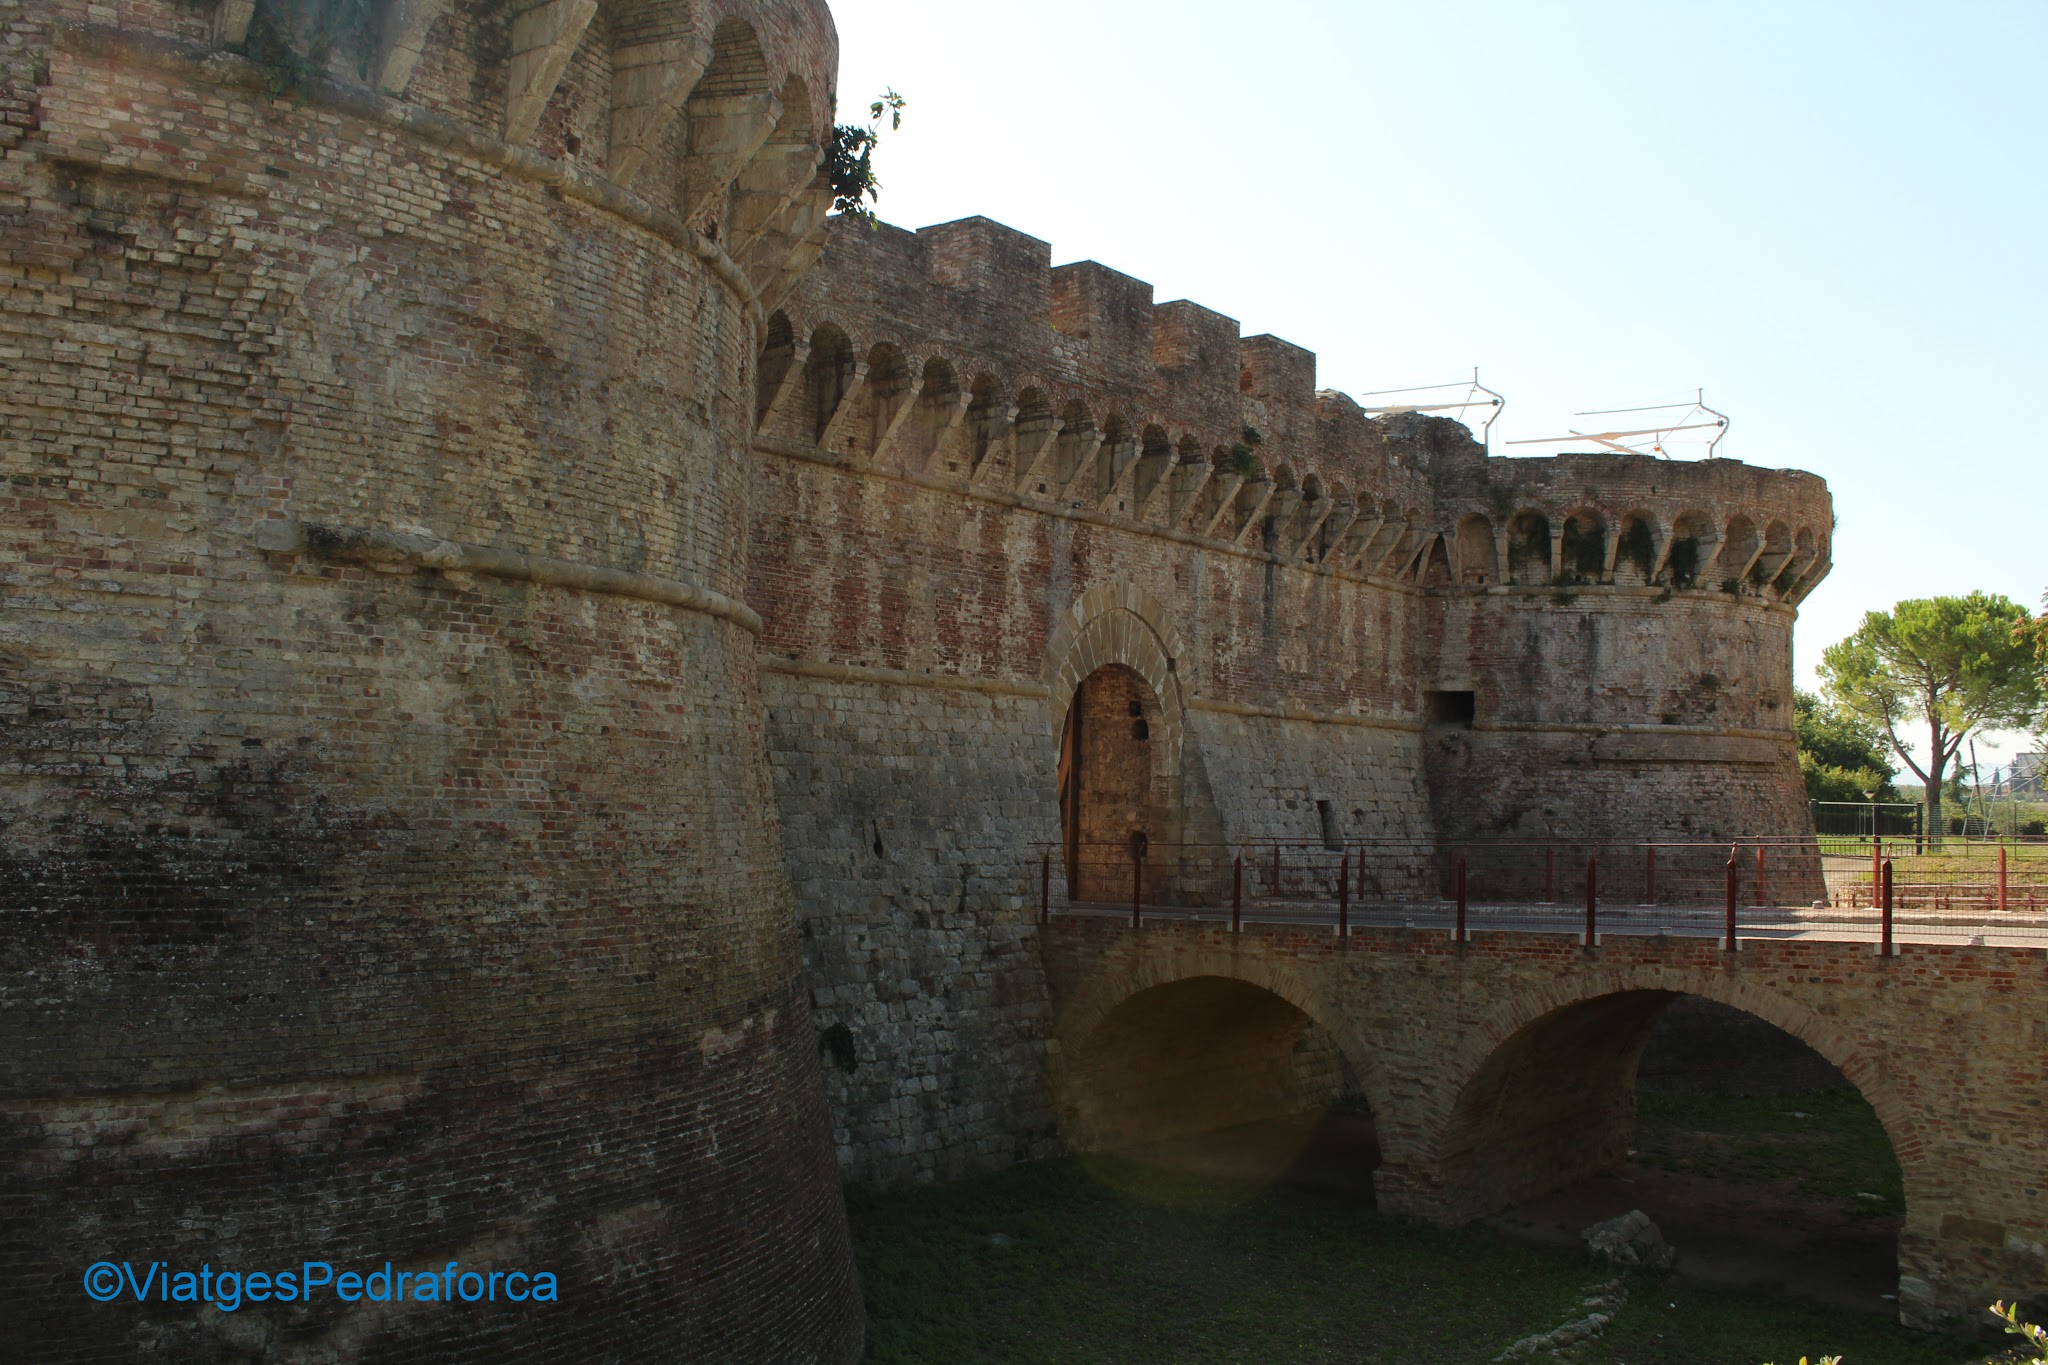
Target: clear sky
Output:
[(1829, 215)]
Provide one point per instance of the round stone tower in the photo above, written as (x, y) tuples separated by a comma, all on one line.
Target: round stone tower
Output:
[(391, 874)]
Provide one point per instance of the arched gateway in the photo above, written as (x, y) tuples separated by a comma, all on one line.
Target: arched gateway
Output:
[(1112, 674)]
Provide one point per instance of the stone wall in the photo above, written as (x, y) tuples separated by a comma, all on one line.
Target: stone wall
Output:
[(916, 815), (975, 470), (390, 871)]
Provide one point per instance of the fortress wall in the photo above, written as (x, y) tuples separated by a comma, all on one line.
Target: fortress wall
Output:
[(915, 815), (964, 448), (907, 638), (389, 868), (1275, 771), (1625, 627)]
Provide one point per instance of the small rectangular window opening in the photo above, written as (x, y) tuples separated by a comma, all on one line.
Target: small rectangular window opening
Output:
[(1333, 836), (1454, 710)]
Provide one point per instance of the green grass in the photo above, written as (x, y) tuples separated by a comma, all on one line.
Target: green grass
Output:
[(1838, 1151), (1106, 1261)]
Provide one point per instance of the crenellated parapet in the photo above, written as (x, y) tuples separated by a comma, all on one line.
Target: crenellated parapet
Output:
[(705, 119), (960, 354), (1633, 521)]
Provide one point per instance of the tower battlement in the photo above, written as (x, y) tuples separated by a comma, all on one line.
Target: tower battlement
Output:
[(959, 352), (704, 121)]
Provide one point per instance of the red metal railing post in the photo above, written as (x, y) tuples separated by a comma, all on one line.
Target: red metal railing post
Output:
[(1732, 878), (1876, 865), (2001, 878), (1459, 936), (1045, 889), (1885, 943), (1344, 898), (1549, 876), (1237, 895), (1650, 878), (1761, 897), (1137, 890), (1592, 894)]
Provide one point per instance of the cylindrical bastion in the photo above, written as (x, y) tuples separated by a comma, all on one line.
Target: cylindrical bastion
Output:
[(390, 869)]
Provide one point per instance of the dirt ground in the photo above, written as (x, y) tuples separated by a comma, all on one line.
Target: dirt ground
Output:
[(1734, 1234)]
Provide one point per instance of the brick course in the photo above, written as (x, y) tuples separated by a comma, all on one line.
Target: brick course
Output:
[(391, 870)]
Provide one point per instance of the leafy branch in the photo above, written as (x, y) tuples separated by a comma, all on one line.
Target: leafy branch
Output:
[(850, 158)]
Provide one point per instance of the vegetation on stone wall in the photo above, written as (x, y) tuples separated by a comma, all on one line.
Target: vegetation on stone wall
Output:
[(1585, 551), (1637, 547), (1242, 462), (850, 158), (294, 43)]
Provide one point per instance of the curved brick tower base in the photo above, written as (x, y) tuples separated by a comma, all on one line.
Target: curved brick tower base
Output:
[(390, 865)]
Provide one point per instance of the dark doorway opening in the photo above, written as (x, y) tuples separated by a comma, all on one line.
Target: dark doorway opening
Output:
[(1112, 784)]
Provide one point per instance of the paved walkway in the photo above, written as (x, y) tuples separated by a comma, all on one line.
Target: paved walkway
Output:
[(1752, 922)]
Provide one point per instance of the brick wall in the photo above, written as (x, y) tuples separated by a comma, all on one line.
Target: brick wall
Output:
[(390, 863)]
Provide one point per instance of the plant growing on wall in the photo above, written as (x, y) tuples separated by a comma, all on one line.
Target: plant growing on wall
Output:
[(1637, 547), (1685, 562), (292, 44), (850, 158), (1242, 462), (1584, 551), (1954, 664)]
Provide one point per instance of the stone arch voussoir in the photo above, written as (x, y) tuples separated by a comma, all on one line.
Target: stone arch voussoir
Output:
[(1117, 623), (1110, 984), (1521, 1009)]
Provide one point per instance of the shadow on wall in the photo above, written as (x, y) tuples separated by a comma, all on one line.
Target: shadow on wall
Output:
[(1702, 1047), (1221, 1077)]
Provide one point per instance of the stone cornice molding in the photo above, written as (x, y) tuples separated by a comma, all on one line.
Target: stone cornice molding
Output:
[(403, 549)]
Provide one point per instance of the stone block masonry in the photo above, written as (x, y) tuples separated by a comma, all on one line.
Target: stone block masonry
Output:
[(918, 812), (1192, 600)]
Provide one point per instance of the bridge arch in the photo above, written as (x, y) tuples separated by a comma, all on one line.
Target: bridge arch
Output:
[(1151, 1052), (1541, 1093)]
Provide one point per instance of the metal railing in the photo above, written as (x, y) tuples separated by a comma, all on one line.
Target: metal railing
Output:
[(1758, 887)]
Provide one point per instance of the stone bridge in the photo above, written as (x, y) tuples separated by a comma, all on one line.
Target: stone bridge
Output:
[(1504, 1068)]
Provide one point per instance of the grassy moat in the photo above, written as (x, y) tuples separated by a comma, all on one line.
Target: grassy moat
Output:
[(1126, 1261)]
